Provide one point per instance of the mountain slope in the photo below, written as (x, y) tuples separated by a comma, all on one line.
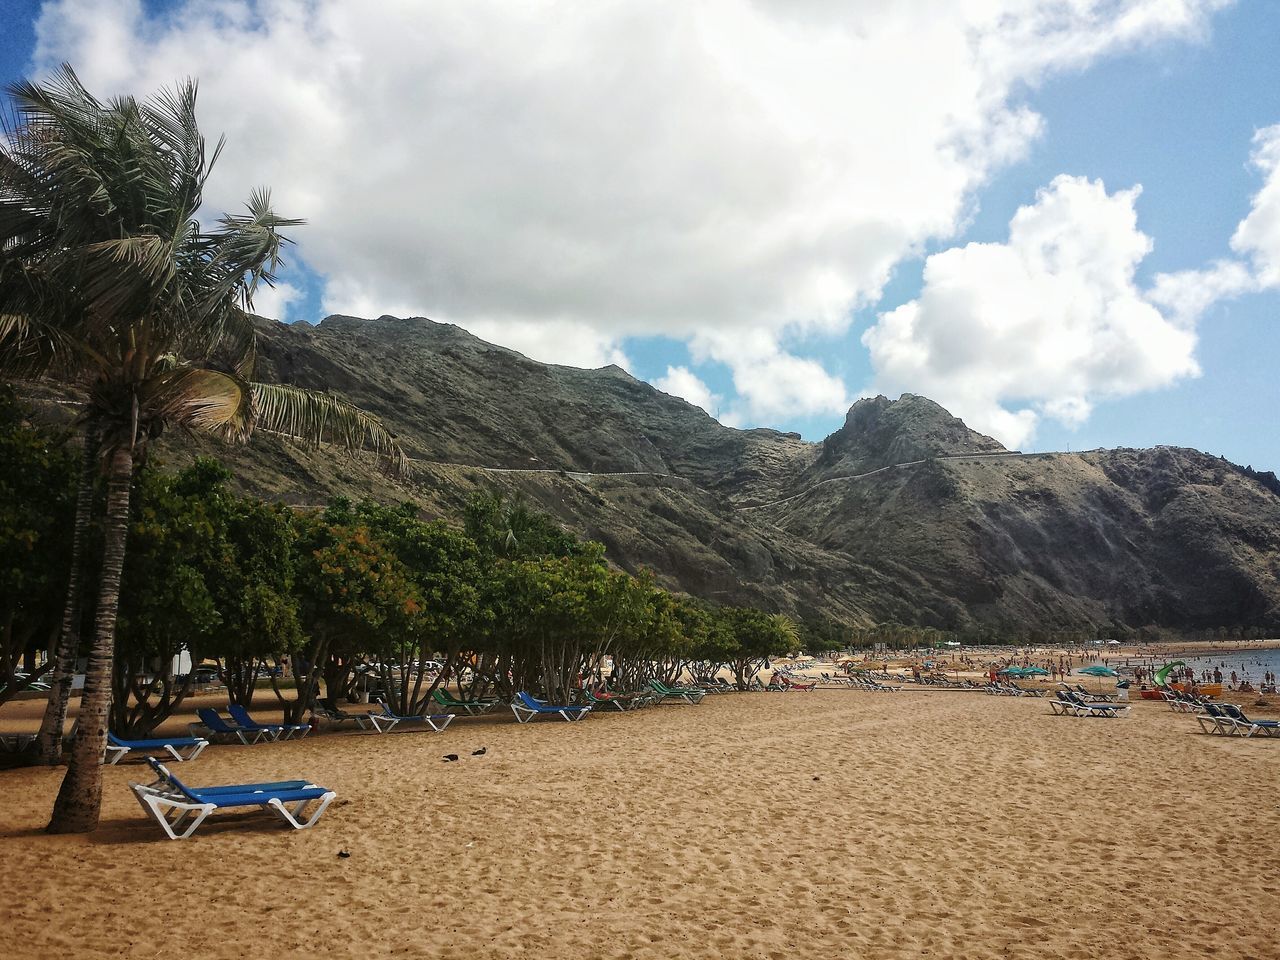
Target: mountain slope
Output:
[(903, 514)]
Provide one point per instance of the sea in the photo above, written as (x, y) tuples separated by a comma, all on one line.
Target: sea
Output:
[(1249, 663)]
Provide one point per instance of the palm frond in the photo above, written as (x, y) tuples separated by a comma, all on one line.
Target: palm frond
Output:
[(101, 252), (199, 399), (324, 418)]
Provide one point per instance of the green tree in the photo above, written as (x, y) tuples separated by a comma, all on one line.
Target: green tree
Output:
[(444, 566), (209, 573), (752, 638), (109, 281), (511, 529), (37, 497), (351, 589)]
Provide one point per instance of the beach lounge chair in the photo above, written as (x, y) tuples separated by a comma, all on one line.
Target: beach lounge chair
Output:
[(17, 742), (277, 731), (683, 694), (791, 683), (118, 749), (1062, 704), (1093, 697), (713, 684), (436, 721), (326, 712), (471, 708), (526, 707), (862, 681), (604, 698), (619, 699), (1070, 702), (1028, 691), (1247, 727), (1213, 720), (216, 726), (177, 807), (1176, 701)]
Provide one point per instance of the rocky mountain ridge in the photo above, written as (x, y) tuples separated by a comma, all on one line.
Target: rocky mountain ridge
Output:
[(903, 514)]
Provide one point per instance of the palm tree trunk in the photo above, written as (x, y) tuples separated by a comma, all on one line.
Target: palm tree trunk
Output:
[(55, 711), (80, 798)]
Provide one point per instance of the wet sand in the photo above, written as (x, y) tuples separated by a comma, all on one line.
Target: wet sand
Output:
[(837, 823)]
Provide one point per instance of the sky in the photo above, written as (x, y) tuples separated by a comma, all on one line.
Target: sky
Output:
[(1058, 218)]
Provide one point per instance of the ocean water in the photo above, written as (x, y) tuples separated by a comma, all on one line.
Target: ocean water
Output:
[(1249, 664)]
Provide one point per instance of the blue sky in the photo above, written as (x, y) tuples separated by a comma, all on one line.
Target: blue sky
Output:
[(687, 264)]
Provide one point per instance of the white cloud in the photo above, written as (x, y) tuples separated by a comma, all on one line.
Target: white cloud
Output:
[(770, 382), (568, 342), (1187, 294), (683, 383), (567, 175), (275, 302), (1258, 235), (1042, 325)]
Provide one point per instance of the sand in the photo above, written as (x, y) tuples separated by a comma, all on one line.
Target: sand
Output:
[(831, 824)]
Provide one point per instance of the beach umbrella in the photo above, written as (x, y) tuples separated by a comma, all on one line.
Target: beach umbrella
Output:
[(1035, 672), (1097, 670)]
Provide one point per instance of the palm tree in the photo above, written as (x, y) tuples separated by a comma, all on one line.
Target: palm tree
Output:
[(109, 282)]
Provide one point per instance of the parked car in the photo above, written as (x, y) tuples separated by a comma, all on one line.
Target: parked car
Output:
[(19, 678), (201, 676)]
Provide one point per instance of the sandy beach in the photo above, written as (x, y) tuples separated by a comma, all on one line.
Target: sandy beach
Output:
[(913, 824)]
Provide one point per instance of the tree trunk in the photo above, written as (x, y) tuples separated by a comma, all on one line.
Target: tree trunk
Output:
[(80, 798), (49, 744)]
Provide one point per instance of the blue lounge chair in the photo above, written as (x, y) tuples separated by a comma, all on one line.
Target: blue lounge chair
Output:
[(386, 719), (526, 707), (216, 725), (276, 731), (118, 749), (1214, 720), (171, 803), (1268, 728)]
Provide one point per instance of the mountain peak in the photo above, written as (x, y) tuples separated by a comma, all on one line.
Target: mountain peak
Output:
[(879, 432)]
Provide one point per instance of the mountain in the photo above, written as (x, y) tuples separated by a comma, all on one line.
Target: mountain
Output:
[(903, 514)]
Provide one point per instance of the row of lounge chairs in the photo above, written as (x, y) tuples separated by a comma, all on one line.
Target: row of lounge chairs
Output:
[(240, 726), (1180, 702), (1007, 688), (1075, 704), (950, 683), (179, 809), (859, 681)]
